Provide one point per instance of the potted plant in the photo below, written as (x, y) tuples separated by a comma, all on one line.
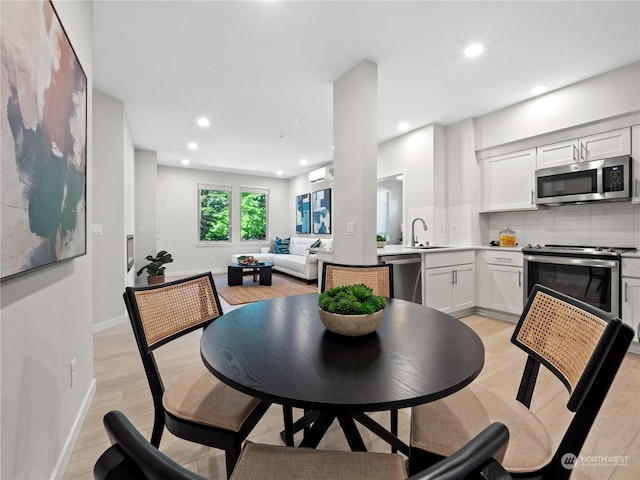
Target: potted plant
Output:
[(351, 310), (155, 268), (382, 240)]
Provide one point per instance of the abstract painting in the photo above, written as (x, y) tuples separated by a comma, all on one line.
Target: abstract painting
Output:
[(321, 207), (43, 134), (303, 213)]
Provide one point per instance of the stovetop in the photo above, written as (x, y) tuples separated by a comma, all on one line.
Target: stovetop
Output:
[(576, 250)]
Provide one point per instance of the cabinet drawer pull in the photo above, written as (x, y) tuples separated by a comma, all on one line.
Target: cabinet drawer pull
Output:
[(505, 259), (532, 199), (626, 292), (519, 278), (575, 153), (583, 151), (636, 182)]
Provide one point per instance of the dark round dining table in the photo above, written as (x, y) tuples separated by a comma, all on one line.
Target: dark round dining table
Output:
[(278, 350)]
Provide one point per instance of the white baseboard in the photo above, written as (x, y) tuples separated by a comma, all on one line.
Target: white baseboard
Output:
[(98, 327), (70, 443)]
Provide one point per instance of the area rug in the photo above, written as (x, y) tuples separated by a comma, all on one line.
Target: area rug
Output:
[(281, 286)]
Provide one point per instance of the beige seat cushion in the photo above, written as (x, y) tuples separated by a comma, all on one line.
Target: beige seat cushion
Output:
[(444, 426), (270, 462), (199, 397)]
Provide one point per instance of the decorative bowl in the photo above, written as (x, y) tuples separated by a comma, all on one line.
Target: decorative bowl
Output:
[(351, 325)]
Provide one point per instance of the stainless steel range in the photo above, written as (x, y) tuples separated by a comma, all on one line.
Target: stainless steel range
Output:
[(590, 274)]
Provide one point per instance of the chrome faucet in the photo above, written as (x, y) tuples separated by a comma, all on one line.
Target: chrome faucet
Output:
[(413, 235)]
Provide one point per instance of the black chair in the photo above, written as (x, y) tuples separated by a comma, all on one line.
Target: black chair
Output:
[(377, 277), (196, 406), (581, 345), (131, 457)]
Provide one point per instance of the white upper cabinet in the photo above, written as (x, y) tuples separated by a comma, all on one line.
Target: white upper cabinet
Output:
[(593, 147), (508, 181)]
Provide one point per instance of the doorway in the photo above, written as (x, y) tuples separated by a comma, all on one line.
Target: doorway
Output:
[(389, 218)]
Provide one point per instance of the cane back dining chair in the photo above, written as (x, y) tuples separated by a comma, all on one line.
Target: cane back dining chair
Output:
[(581, 345), (132, 457), (196, 406), (377, 277)]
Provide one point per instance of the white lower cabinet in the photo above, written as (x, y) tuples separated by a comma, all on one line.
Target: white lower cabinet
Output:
[(630, 313), (448, 281), (499, 280)]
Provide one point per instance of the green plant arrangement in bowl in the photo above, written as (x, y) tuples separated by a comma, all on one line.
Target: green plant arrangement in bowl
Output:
[(351, 310), (381, 240)]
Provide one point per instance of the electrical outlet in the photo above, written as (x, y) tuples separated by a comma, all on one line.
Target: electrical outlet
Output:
[(72, 372)]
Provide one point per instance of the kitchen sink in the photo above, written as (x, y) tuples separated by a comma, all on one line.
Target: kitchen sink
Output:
[(428, 247)]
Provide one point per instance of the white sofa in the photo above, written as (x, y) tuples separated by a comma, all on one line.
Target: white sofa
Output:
[(299, 262)]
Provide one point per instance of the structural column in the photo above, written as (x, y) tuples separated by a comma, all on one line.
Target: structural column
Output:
[(355, 137)]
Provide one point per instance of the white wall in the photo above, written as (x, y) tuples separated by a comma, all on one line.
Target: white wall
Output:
[(46, 322), (178, 217), (146, 208), (112, 209), (605, 96), (462, 185), (414, 154)]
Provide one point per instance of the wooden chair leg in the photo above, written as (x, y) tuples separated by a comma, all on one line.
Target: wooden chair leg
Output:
[(158, 428)]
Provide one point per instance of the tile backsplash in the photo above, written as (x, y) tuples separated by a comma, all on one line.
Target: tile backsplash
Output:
[(614, 224)]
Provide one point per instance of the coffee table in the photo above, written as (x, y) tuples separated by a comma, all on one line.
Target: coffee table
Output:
[(235, 273)]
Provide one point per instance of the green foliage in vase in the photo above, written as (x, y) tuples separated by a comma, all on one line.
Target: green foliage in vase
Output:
[(350, 300), (381, 238)]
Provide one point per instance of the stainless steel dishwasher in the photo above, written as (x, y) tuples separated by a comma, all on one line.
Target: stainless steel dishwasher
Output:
[(407, 275)]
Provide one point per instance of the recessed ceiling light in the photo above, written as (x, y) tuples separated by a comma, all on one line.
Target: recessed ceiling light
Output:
[(403, 126), (185, 161), (537, 90), (203, 122), (279, 172), (192, 146), (473, 50), (303, 161), (282, 136)]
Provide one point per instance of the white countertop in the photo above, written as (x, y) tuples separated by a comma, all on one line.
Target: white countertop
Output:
[(405, 249)]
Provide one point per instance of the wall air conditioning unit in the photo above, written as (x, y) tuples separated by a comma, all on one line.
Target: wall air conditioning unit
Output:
[(320, 175)]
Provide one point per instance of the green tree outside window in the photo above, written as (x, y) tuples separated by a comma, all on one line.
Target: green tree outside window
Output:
[(253, 216)]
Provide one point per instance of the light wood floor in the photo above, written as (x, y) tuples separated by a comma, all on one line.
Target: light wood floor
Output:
[(121, 385)]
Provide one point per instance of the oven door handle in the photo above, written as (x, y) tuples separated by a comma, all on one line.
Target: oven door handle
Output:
[(579, 262)]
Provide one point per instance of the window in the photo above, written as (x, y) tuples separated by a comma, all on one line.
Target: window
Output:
[(215, 213), (253, 214)]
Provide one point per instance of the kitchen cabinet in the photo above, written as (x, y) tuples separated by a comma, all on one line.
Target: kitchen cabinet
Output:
[(592, 147), (635, 169), (508, 181), (630, 313), (449, 281), (499, 280)]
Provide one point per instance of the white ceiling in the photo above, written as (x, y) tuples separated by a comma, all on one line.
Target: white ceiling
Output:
[(260, 70)]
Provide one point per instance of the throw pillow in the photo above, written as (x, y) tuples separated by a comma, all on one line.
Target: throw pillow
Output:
[(272, 244), (315, 244), (281, 245)]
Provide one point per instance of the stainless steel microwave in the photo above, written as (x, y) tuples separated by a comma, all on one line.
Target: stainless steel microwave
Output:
[(605, 180)]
